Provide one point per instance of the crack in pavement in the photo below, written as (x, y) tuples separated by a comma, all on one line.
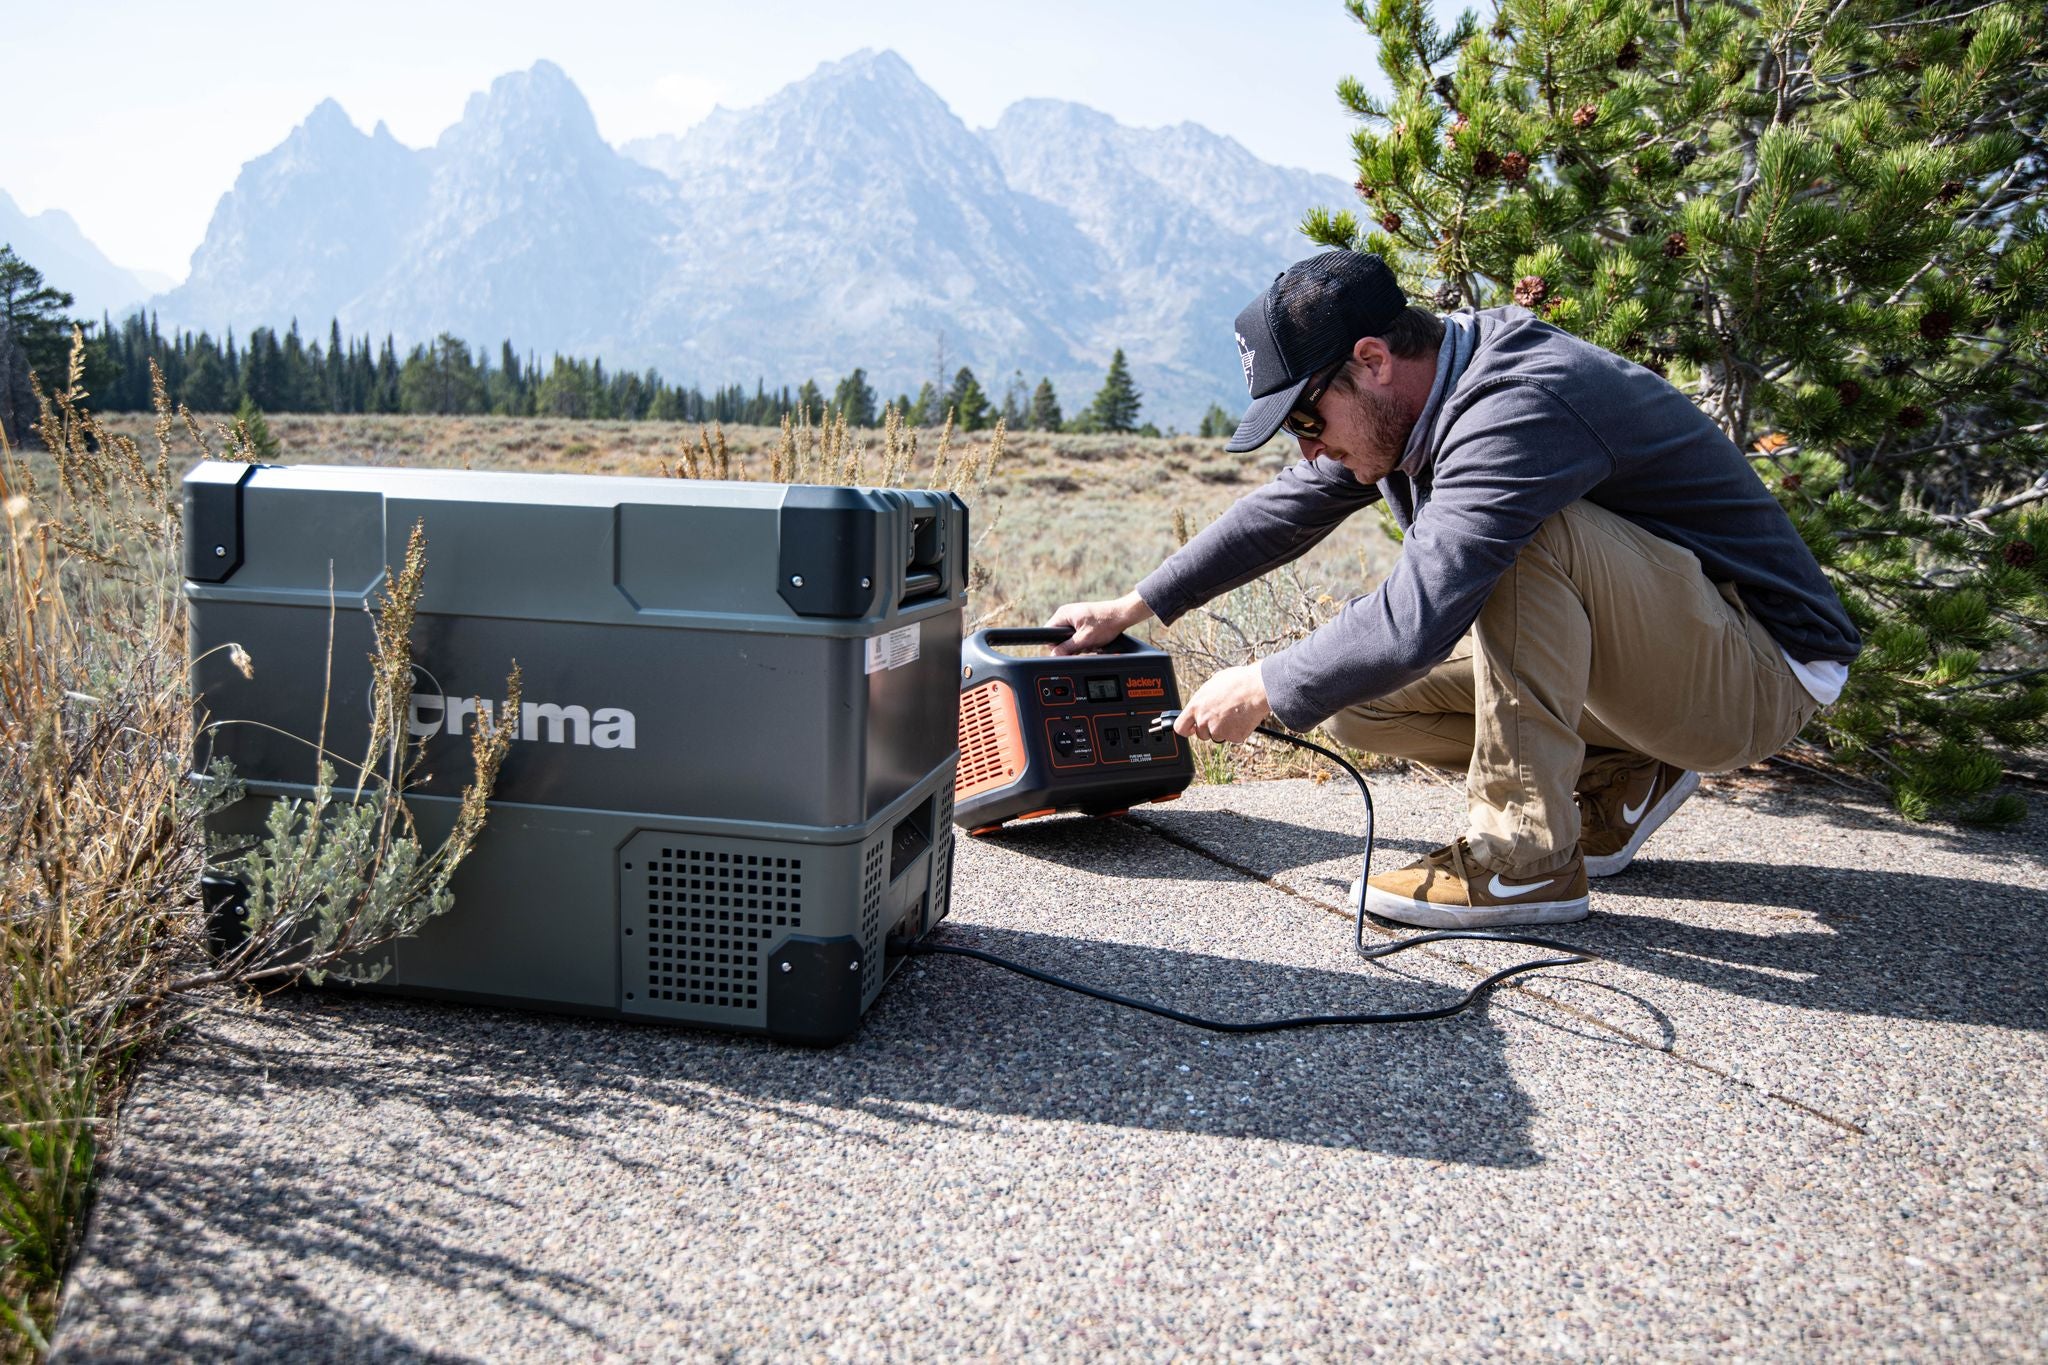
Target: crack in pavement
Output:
[(1583, 1016)]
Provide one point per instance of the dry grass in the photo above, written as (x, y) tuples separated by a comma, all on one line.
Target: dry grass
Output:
[(103, 946)]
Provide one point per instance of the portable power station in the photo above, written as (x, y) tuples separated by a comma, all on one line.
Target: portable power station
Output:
[(1063, 732), (733, 773)]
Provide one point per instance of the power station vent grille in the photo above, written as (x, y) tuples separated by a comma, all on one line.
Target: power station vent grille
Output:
[(698, 922), (872, 861), (991, 739)]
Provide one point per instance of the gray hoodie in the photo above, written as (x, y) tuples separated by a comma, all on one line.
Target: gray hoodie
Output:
[(1536, 419)]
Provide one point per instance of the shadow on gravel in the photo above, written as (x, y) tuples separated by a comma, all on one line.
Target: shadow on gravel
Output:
[(950, 1042), (1089, 845), (1893, 943), (222, 1181), (1816, 800), (1903, 944)]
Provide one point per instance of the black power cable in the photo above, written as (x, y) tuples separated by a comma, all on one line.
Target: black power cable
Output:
[(1571, 956)]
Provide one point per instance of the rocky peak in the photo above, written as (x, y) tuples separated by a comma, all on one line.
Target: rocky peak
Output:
[(537, 107)]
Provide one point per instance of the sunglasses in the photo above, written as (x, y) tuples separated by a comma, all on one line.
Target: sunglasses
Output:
[(1304, 421)]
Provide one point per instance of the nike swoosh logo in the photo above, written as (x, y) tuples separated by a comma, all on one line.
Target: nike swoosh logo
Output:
[(1631, 814), (1503, 891)]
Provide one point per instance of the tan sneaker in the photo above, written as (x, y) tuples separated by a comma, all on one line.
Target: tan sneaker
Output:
[(1448, 891), (1614, 821)]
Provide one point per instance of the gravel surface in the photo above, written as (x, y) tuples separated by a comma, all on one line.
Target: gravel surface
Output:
[(1799, 1110)]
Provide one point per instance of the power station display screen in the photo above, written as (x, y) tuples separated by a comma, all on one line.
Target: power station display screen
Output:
[(1103, 689)]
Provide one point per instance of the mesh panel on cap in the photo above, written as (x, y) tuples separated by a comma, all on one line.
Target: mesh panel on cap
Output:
[(1329, 301)]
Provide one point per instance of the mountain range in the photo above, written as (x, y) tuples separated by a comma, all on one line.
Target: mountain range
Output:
[(850, 219), (52, 243)]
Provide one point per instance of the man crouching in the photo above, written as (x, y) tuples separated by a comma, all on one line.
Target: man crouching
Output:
[(1596, 598)]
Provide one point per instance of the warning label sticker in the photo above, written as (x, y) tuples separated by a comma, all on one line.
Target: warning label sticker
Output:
[(899, 647)]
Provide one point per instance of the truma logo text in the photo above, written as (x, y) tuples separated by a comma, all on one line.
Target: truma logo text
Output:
[(433, 713)]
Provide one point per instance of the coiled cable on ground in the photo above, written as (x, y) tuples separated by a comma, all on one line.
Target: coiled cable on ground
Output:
[(1568, 955)]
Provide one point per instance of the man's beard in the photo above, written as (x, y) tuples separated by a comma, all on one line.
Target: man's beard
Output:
[(1385, 435)]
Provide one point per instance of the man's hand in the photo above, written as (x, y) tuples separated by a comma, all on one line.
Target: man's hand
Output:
[(1095, 624), (1228, 707)]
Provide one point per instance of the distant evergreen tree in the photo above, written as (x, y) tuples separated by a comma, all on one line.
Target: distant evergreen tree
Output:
[(263, 370), (855, 399), (929, 409), (207, 386), (1217, 422), (1116, 403), (254, 432), (441, 379), (384, 388), (1045, 408), (566, 391), (1013, 401), (810, 401), (968, 402), (37, 317), (297, 387), (17, 398)]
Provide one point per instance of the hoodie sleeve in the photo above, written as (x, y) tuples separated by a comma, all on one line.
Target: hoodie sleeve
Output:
[(1267, 527), (1515, 456)]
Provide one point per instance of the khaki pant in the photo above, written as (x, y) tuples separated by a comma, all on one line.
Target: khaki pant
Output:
[(1601, 647)]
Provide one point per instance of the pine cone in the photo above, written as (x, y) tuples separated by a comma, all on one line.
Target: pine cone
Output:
[(1391, 221), (1790, 483), (1515, 166), (1948, 191), (1985, 284), (1502, 28), (1894, 365), (2020, 554), (1585, 116), (1674, 245), (1486, 162), (1912, 415), (1366, 189), (1447, 91), (1532, 291), (1458, 125), (1629, 55), (1449, 297), (1848, 391), (1684, 154), (1936, 324)]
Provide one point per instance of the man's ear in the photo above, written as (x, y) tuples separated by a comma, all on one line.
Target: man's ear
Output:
[(1372, 353)]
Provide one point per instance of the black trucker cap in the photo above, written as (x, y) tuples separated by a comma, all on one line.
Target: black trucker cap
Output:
[(1304, 323)]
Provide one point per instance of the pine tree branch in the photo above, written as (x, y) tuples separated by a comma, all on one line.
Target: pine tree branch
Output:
[(1977, 520), (1936, 18), (1998, 680), (1972, 441)]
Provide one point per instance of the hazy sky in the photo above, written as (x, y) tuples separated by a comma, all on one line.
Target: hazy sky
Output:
[(166, 101)]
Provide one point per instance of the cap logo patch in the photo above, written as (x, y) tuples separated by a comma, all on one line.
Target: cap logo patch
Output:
[(1245, 354)]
